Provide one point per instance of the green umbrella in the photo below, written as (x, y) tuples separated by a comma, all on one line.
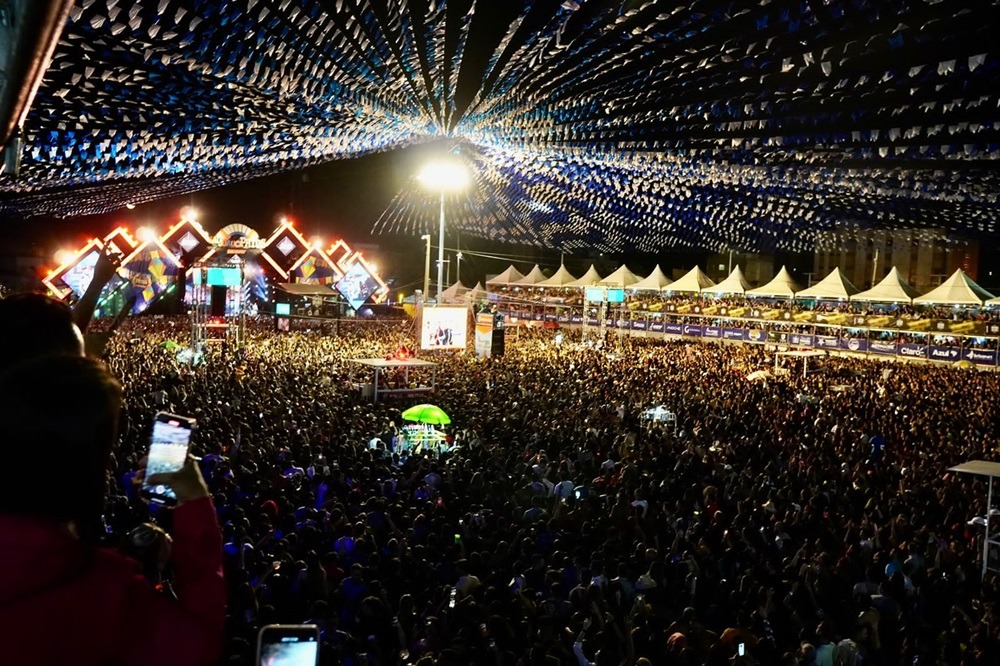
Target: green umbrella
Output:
[(431, 414), (170, 345)]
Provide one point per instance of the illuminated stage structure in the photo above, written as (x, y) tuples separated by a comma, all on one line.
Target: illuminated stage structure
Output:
[(225, 277)]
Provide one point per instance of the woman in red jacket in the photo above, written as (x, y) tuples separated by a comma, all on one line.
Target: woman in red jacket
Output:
[(63, 600)]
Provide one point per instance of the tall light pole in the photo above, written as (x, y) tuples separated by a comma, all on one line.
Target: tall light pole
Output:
[(427, 267), (444, 176), (458, 268)]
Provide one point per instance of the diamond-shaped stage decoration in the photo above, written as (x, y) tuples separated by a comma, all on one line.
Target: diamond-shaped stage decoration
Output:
[(189, 242), (286, 246)]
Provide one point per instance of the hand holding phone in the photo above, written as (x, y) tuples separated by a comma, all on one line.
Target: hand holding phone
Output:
[(171, 476), (288, 645)]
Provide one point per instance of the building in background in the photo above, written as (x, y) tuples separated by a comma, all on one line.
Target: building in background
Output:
[(925, 257)]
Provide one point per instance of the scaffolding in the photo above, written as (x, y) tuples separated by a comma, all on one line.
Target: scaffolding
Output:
[(227, 328)]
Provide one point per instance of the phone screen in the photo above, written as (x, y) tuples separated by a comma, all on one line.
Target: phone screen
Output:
[(167, 452), (288, 645)]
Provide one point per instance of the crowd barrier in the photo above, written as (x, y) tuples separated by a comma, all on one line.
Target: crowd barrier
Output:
[(943, 346)]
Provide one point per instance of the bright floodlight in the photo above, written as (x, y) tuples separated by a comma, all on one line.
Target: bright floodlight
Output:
[(63, 257), (146, 234), (444, 176)]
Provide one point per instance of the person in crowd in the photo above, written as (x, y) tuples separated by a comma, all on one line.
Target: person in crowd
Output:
[(64, 599)]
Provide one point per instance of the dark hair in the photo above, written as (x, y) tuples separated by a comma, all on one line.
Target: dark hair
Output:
[(34, 325), (58, 422)]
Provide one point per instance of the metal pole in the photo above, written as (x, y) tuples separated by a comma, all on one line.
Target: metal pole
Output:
[(427, 267), (986, 534), (458, 267), (875, 267), (441, 252)]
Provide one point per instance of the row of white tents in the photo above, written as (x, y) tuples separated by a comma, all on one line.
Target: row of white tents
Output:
[(959, 289)]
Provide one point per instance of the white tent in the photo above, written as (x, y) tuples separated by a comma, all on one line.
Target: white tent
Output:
[(620, 279), (655, 281), (589, 279), (891, 289), (532, 278), (782, 286), (833, 286), (454, 293), (477, 293), (736, 283), (508, 277), (959, 289), (691, 282), (561, 278)]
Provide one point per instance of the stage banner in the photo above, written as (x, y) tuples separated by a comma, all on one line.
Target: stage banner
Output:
[(576, 319), (639, 325), (877, 347), (484, 335), (827, 341), (944, 353), (910, 350), (801, 340), (713, 332), (593, 321), (733, 333), (755, 336), (854, 345), (690, 329), (656, 327), (980, 356), (672, 328)]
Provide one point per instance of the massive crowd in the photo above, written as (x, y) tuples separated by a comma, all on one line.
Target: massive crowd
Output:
[(788, 521)]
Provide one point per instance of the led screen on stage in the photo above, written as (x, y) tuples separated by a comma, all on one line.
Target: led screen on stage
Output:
[(444, 328), (594, 294), (78, 277), (357, 285), (616, 295), (224, 277)]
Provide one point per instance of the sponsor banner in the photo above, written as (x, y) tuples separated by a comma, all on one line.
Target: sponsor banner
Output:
[(713, 332), (538, 316), (877, 347), (944, 353), (755, 336), (910, 350), (639, 325), (690, 329), (854, 345), (563, 319), (980, 356), (551, 317), (624, 323), (656, 327), (733, 333), (827, 341), (801, 340), (576, 319), (672, 328), (593, 321), (484, 335), (780, 337)]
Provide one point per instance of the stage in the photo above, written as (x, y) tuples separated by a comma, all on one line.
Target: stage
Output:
[(383, 367)]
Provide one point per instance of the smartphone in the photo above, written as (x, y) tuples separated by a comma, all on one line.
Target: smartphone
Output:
[(288, 645), (741, 650), (168, 450)]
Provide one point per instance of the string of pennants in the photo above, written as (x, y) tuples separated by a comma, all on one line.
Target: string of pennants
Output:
[(616, 126)]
